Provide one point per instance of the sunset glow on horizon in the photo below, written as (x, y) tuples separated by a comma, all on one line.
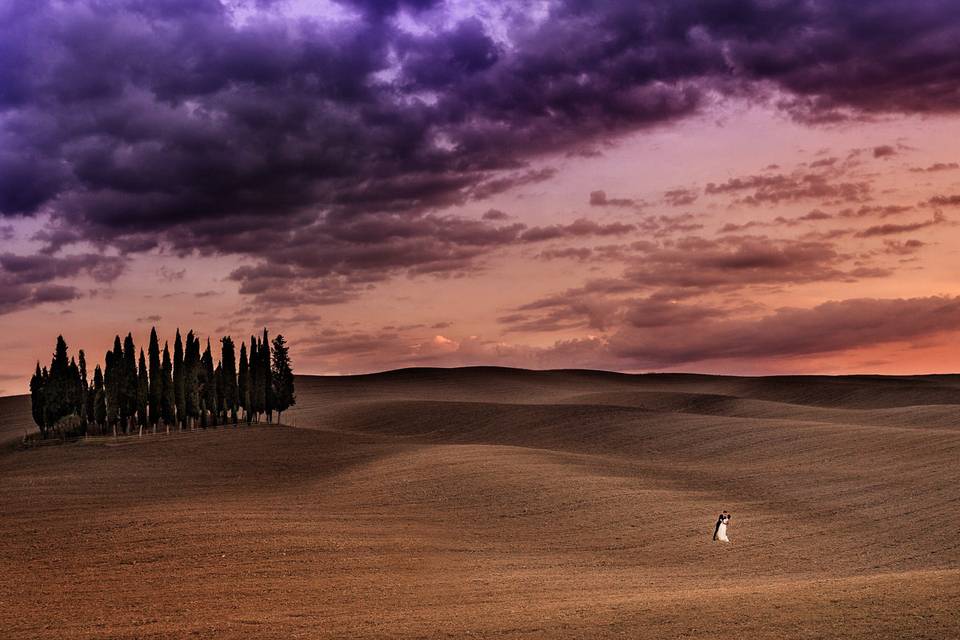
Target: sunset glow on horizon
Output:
[(744, 187)]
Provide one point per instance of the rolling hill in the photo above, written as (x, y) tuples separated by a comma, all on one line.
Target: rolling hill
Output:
[(494, 502)]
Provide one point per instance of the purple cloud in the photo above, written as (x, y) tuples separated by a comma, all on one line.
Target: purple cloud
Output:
[(828, 327), (135, 124)]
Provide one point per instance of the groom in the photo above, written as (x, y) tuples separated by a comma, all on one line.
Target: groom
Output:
[(720, 519)]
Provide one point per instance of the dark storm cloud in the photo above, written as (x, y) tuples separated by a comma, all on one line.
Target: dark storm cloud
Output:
[(880, 211), (576, 229), (884, 151), (664, 225), (40, 269), (581, 254), (736, 262), (780, 221), (777, 188), (893, 229), (828, 327), (599, 199), (904, 247), (680, 197), (945, 201), (688, 268), (936, 166), (133, 123), (30, 280), (495, 215), (360, 251)]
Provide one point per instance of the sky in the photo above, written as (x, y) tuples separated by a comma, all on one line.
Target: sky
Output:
[(724, 186)]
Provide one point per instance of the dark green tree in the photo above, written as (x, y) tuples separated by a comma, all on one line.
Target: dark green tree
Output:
[(128, 385), (112, 380), (257, 395), (191, 382), (228, 360), (38, 400), (59, 388), (243, 383), (268, 377), (284, 395), (74, 388), (109, 393), (221, 405), (179, 380), (168, 401), (143, 393), (99, 400), (208, 387), (85, 403), (91, 405), (155, 391)]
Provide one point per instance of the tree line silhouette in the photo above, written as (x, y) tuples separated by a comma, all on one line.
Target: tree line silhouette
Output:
[(187, 391)]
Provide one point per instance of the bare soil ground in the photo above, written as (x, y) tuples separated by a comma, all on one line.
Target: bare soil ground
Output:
[(501, 503)]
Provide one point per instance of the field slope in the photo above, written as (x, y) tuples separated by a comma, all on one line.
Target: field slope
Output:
[(494, 502)]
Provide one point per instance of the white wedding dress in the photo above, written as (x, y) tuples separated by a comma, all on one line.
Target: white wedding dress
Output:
[(722, 532)]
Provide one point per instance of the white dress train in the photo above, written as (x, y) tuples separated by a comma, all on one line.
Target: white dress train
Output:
[(722, 532)]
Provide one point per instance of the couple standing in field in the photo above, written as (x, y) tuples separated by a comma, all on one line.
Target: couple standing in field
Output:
[(720, 531)]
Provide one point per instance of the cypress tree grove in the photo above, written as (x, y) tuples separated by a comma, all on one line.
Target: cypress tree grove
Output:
[(179, 381), (153, 354), (168, 403), (284, 395), (243, 383), (143, 393), (228, 361), (63, 401)]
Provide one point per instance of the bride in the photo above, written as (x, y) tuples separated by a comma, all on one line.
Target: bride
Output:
[(720, 533)]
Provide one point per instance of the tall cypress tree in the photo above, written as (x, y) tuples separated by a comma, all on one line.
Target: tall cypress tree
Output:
[(168, 401), (191, 366), (153, 355), (59, 391), (221, 403), (45, 385), (114, 362), (268, 377), (143, 393), (99, 400), (284, 395), (243, 383), (229, 377), (74, 398), (38, 400), (209, 386), (84, 391), (179, 381), (90, 408), (257, 395), (128, 384)]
